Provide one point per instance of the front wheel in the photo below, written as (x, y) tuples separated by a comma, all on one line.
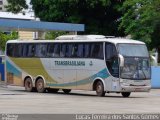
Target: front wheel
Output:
[(66, 91), (100, 89), (126, 94), (40, 86)]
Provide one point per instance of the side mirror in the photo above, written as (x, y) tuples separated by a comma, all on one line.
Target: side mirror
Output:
[(121, 60)]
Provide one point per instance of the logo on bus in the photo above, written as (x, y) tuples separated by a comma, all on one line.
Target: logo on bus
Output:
[(91, 63)]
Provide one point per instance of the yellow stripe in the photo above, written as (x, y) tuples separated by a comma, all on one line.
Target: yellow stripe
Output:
[(32, 66)]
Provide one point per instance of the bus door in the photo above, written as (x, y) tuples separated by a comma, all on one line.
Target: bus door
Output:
[(112, 63)]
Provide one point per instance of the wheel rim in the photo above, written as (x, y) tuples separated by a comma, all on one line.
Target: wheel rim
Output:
[(39, 85), (99, 88), (28, 85)]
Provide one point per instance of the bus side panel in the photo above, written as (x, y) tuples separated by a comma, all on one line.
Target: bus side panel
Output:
[(93, 69), (13, 74)]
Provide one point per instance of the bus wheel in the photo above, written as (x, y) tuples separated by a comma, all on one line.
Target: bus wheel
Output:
[(40, 86), (28, 85), (126, 94), (52, 90), (66, 91), (100, 89)]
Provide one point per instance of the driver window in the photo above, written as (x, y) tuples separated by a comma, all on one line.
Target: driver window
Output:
[(112, 59)]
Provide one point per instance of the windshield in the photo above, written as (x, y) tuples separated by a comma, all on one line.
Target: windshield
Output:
[(133, 50), (136, 68)]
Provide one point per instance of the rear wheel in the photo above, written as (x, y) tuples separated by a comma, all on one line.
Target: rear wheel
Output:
[(100, 89), (40, 86), (28, 85), (126, 94), (66, 91)]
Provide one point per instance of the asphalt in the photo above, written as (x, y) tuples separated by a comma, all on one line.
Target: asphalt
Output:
[(15, 100)]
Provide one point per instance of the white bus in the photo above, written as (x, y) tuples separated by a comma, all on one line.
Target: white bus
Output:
[(79, 62)]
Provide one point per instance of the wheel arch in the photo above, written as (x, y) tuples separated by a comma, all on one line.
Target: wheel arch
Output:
[(95, 82), (28, 76)]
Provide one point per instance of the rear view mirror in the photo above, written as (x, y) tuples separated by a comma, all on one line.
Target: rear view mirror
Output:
[(121, 60)]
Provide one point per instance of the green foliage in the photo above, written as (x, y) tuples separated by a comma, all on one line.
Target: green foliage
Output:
[(53, 35), (16, 6), (99, 16), (4, 38), (141, 20)]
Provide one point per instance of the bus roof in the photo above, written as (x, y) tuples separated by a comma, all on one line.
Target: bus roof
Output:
[(81, 38)]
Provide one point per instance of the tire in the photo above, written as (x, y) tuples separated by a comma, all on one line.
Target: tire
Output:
[(52, 90), (28, 85), (126, 94), (66, 91), (100, 89), (40, 86)]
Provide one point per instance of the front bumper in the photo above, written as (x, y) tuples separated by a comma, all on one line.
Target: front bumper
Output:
[(135, 88)]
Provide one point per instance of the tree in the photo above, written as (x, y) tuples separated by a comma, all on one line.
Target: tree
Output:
[(16, 6), (99, 16), (4, 38), (141, 20)]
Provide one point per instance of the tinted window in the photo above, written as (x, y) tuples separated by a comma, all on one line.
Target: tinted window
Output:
[(50, 50), (80, 50), (28, 50), (110, 51), (18, 50), (96, 50), (10, 49), (56, 50), (41, 50), (69, 50), (87, 50)]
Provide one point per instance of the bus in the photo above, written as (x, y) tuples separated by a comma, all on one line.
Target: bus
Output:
[(79, 62)]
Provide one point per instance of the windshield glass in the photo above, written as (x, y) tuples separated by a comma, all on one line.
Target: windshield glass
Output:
[(136, 68), (133, 50)]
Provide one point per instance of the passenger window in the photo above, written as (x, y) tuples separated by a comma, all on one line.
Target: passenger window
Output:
[(30, 50), (69, 50), (80, 50), (56, 50), (97, 50), (63, 50), (10, 49), (50, 50), (87, 50), (18, 50), (41, 50)]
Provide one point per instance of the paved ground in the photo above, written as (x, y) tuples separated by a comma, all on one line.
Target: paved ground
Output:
[(16, 100)]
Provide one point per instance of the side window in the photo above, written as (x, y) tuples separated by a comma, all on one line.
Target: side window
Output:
[(63, 50), (110, 51), (80, 50), (25, 50), (18, 50), (10, 48), (30, 50), (69, 50), (57, 47), (87, 50), (41, 50), (50, 50), (97, 50)]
